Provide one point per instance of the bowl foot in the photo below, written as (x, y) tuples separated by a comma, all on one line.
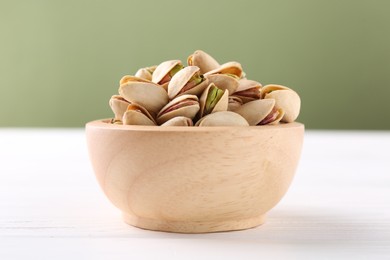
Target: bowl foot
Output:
[(193, 226)]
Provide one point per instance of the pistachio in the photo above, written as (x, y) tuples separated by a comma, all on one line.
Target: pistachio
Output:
[(165, 71), (285, 98), (273, 117), (222, 118), (230, 68), (202, 60), (260, 112), (187, 81), (213, 97), (213, 100), (147, 94), (225, 81), (146, 73), (185, 105), (179, 121), (248, 90), (119, 106), (137, 115), (234, 103)]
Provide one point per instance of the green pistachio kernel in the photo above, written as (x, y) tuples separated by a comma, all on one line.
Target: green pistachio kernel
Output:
[(196, 79), (175, 69), (213, 97)]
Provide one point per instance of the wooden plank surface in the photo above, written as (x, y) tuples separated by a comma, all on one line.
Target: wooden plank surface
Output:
[(51, 207)]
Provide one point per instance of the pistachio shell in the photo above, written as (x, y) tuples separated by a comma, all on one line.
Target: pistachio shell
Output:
[(163, 69), (246, 85), (119, 106), (179, 121), (246, 99), (280, 116), (234, 103), (221, 105), (146, 73), (230, 67), (188, 110), (137, 115), (222, 118), (223, 81), (128, 78), (272, 87), (286, 99), (198, 89), (273, 118), (202, 60), (180, 79), (255, 111), (147, 94)]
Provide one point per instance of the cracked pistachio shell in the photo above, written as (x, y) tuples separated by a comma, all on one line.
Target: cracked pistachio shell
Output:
[(222, 118), (230, 67), (234, 103), (285, 98), (163, 69), (137, 115), (273, 117), (221, 105), (245, 85), (146, 73), (224, 81), (202, 60), (119, 106), (184, 105), (128, 78), (147, 94), (181, 78), (179, 121), (272, 87), (255, 111)]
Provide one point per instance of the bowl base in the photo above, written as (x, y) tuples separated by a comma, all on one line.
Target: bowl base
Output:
[(193, 226)]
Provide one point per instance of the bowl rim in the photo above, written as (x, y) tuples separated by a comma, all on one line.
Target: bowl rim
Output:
[(104, 124)]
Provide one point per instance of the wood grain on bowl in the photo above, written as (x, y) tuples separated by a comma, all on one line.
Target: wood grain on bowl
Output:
[(193, 179)]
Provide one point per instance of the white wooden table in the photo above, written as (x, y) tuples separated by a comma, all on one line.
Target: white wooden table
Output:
[(52, 208)]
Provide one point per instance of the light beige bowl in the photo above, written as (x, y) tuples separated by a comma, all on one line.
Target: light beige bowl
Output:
[(194, 179)]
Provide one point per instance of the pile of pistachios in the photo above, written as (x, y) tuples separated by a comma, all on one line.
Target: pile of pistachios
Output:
[(203, 93)]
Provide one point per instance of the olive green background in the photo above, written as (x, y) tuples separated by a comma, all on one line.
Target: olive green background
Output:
[(60, 61)]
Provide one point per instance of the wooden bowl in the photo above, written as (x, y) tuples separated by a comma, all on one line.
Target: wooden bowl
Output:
[(194, 179)]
